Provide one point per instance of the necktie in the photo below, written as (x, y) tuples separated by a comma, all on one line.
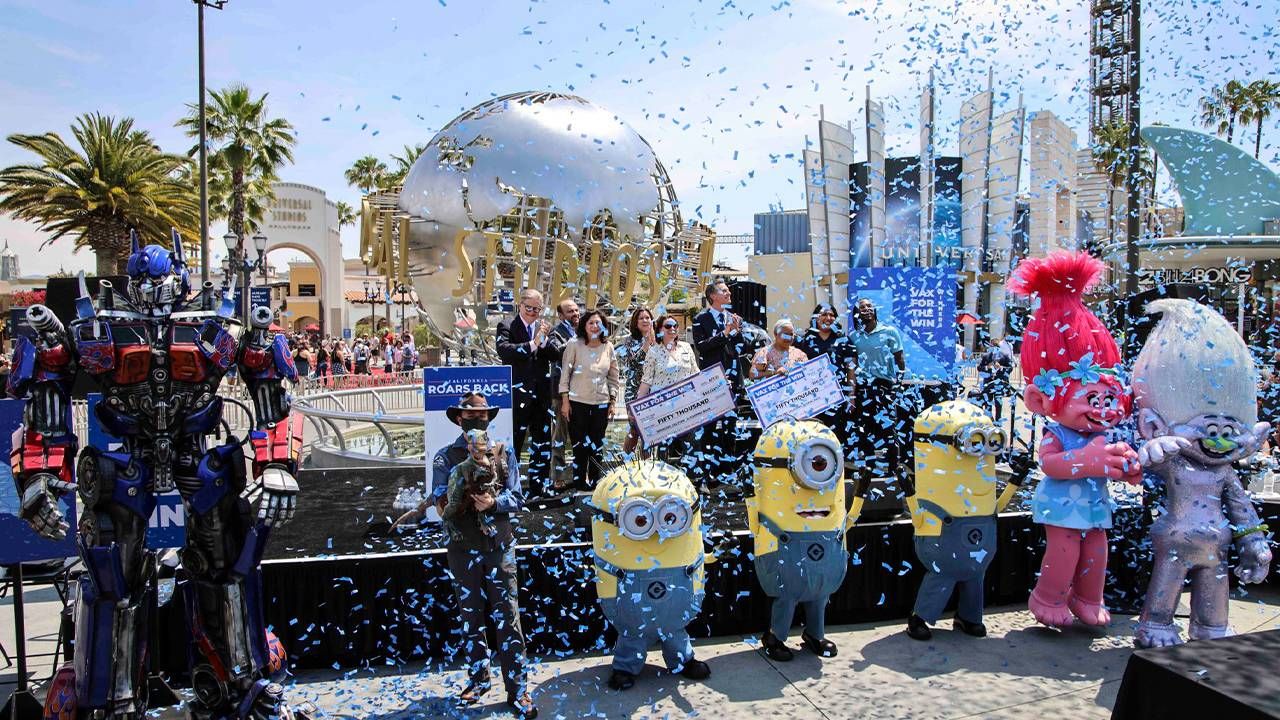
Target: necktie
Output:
[(720, 320)]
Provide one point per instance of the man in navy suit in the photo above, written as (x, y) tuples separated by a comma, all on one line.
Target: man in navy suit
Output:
[(523, 344), (717, 335)]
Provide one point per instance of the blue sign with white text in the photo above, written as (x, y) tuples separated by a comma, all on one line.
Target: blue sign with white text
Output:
[(443, 387), (167, 527), (921, 304), (18, 542)]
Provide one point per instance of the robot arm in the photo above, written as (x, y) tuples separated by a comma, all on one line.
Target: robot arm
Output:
[(265, 363), (43, 446)]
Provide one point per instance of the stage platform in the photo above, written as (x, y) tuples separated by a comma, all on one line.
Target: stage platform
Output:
[(1019, 671), (341, 591)]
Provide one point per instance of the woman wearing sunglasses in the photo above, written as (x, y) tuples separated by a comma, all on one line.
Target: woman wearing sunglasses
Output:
[(668, 362)]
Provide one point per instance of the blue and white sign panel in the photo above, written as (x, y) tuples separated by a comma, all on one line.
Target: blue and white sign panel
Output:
[(806, 390), (683, 406), (443, 388), (921, 304), (167, 527), (18, 542)]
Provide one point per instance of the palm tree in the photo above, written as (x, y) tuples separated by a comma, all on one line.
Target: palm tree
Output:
[(1262, 98), (366, 174), (1111, 157), (1222, 106), (116, 180), (346, 215), (403, 163), (246, 149)]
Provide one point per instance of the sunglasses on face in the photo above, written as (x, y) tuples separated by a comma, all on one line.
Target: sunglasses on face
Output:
[(532, 308), (669, 326)]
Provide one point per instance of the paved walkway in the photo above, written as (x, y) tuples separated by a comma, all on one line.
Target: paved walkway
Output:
[(1020, 671)]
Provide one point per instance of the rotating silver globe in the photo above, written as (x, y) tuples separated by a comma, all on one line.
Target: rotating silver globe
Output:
[(542, 190)]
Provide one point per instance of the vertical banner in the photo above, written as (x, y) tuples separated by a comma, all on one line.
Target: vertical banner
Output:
[(925, 256), (18, 542), (1003, 175), (975, 142), (815, 189), (167, 527), (837, 160), (443, 388), (877, 181), (921, 304)]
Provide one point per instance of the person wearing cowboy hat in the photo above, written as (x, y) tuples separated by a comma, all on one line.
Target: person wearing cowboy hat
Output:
[(483, 564)]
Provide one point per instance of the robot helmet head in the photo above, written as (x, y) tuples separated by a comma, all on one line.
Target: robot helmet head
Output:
[(157, 276)]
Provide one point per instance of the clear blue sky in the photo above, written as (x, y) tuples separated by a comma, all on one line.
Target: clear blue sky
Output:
[(725, 91)]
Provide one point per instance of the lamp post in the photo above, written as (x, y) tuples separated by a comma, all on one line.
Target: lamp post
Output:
[(204, 151), (372, 295), (238, 261)]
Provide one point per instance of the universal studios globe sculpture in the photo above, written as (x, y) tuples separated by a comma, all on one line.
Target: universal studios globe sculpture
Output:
[(534, 189)]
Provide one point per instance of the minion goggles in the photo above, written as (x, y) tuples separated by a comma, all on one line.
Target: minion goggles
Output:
[(971, 439), (816, 463), (639, 519)]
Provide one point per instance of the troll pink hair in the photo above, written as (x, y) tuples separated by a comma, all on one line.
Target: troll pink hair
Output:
[(1062, 330)]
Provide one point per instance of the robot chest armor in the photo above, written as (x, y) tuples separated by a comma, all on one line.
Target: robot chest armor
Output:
[(160, 373)]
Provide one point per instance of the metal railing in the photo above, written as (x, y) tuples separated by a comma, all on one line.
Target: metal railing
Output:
[(338, 416)]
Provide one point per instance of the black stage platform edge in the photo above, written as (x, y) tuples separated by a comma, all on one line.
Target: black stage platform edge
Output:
[(1230, 677), (374, 610)]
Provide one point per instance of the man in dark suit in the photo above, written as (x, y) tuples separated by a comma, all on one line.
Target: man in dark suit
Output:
[(717, 335), (523, 343)]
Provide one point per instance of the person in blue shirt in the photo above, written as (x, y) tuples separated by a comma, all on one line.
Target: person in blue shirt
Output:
[(878, 418)]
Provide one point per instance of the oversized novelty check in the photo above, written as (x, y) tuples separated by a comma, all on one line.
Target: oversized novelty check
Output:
[(806, 390), (683, 406)]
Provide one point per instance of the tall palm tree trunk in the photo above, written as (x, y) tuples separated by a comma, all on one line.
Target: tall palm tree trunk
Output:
[(235, 219), (1231, 127), (1257, 140)]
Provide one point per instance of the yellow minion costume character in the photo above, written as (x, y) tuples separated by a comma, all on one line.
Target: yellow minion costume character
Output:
[(647, 536), (798, 518), (954, 511)]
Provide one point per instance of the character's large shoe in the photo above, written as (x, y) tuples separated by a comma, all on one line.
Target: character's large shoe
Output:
[(1208, 632), (1151, 635), (918, 629), (695, 670), (973, 629), (1090, 613), (1046, 613), (822, 648), (775, 648), (621, 680)]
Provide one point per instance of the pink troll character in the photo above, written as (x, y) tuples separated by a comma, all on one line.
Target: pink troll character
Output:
[(1069, 360)]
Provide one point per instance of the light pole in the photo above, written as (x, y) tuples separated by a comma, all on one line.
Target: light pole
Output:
[(204, 151), (238, 261), (372, 295)]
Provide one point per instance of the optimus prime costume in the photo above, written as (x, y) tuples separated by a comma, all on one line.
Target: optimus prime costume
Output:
[(1196, 391), (159, 359)]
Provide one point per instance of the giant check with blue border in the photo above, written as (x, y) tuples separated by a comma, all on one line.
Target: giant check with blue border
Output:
[(805, 391), (682, 406)]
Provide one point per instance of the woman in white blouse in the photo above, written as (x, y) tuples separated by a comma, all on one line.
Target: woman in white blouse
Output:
[(589, 386), (668, 362)]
